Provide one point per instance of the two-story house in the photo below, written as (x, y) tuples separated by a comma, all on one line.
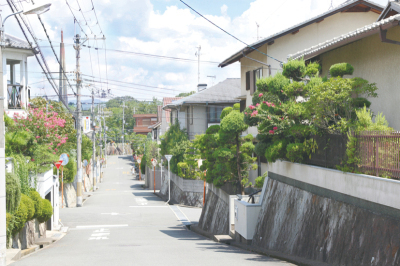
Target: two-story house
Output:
[(142, 123)]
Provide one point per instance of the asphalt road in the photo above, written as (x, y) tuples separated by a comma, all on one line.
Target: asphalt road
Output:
[(123, 224)]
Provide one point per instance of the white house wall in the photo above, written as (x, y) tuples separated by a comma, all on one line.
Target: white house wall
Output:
[(376, 62)]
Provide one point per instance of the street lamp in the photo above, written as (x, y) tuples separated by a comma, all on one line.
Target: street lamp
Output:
[(168, 157), (38, 10)]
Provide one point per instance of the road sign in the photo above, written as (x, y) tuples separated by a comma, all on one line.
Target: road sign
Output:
[(58, 164), (64, 158), (85, 162), (168, 157), (139, 160), (154, 162)]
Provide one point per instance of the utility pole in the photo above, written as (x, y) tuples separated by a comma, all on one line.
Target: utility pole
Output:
[(94, 144), (123, 128), (198, 64), (77, 47)]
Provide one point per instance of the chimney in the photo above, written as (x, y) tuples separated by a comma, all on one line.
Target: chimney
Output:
[(201, 87)]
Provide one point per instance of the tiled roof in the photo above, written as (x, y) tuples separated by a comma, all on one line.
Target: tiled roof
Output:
[(14, 42), (352, 36), (226, 91), (344, 6)]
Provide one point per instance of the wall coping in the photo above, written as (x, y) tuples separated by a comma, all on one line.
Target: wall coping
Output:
[(370, 188)]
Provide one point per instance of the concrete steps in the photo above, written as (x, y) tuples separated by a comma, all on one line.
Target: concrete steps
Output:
[(226, 239)]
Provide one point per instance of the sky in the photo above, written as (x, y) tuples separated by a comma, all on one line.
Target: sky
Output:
[(158, 27)]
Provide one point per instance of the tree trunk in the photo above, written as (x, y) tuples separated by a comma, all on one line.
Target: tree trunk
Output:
[(238, 163)]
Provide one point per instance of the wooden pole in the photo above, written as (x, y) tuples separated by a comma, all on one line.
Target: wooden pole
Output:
[(140, 172), (154, 179), (62, 186), (84, 178)]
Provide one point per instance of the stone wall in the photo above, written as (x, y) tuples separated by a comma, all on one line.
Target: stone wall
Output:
[(214, 217), (183, 191), (309, 222), (69, 196)]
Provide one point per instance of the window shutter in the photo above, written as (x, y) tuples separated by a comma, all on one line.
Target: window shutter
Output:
[(252, 82), (247, 80)]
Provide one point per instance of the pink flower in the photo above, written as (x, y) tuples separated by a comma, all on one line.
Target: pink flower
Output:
[(257, 104), (271, 132), (275, 128), (280, 103), (260, 95), (32, 160), (47, 135), (54, 152), (269, 117), (37, 126), (37, 137), (282, 91), (55, 149), (273, 105), (254, 113), (245, 113), (283, 118), (252, 107)]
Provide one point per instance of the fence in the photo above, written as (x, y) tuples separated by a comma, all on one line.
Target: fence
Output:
[(331, 150), (379, 153)]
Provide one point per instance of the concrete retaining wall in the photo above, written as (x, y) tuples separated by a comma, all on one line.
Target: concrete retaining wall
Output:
[(183, 191), (117, 149), (214, 217), (328, 216)]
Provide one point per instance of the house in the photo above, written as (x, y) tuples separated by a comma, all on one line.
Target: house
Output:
[(374, 52), (340, 20), (166, 113), (199, 111), (156, 128), (142, 123), (15, 75)]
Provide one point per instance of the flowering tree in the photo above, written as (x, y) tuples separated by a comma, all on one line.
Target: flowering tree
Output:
[(41, 135)]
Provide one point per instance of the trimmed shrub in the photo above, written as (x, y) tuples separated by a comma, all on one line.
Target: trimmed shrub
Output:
[(13, 192), (30, 205), (312, 69), (37, 201), (341, 69), (212, 129), (295, 89), (47, 211), (20, 217), (259, 182), (276, 151), (225, 112), (294, 69)]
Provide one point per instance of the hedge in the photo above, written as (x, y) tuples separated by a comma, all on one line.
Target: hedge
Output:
[(37, 201), (30, 206), (341, 69), (20, 217), (47, 211), (9, 225)]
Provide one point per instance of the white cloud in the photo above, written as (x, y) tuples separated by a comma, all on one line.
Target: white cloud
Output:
[(134, 25)]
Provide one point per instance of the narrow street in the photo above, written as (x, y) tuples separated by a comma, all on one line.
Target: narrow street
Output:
[(122, 224)]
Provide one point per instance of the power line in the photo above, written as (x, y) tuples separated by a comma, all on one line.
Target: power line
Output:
[(75, 19), (49, 77), (83, 15), (94, 10), (255, 49)]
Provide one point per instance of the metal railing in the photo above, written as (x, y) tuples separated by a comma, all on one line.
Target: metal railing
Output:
[(379, 153), (14, 96)]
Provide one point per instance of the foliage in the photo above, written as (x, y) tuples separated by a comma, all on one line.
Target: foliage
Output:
[(174, 142), (151, 152), (87, 147), (47, 211), (289, 109), (30, 206), (70, 170), (294, 69), (312, 69), (20, 218), (37, 201), (9, 226), (13, 192), (341, 69), (185, 94), (259, 182), (22, 171)]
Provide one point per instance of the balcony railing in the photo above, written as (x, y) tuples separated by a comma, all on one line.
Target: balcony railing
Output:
[(14, 96)]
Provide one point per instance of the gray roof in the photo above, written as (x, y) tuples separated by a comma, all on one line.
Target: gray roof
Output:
[(344, 39), (224, 92), (14, 42), (348, 4), (390, 8)]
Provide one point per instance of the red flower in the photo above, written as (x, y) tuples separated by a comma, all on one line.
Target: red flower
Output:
[(275, 128)]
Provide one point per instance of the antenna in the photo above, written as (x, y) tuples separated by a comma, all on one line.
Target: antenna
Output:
[(331, 7), (212, 79)]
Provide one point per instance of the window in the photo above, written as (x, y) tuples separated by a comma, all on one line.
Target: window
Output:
[(257, 75), (155, 133), (154, 119), (214, 114)]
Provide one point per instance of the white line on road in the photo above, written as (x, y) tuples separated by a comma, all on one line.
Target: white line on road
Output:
[(180, 215), (97, 226), (148, 206)]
